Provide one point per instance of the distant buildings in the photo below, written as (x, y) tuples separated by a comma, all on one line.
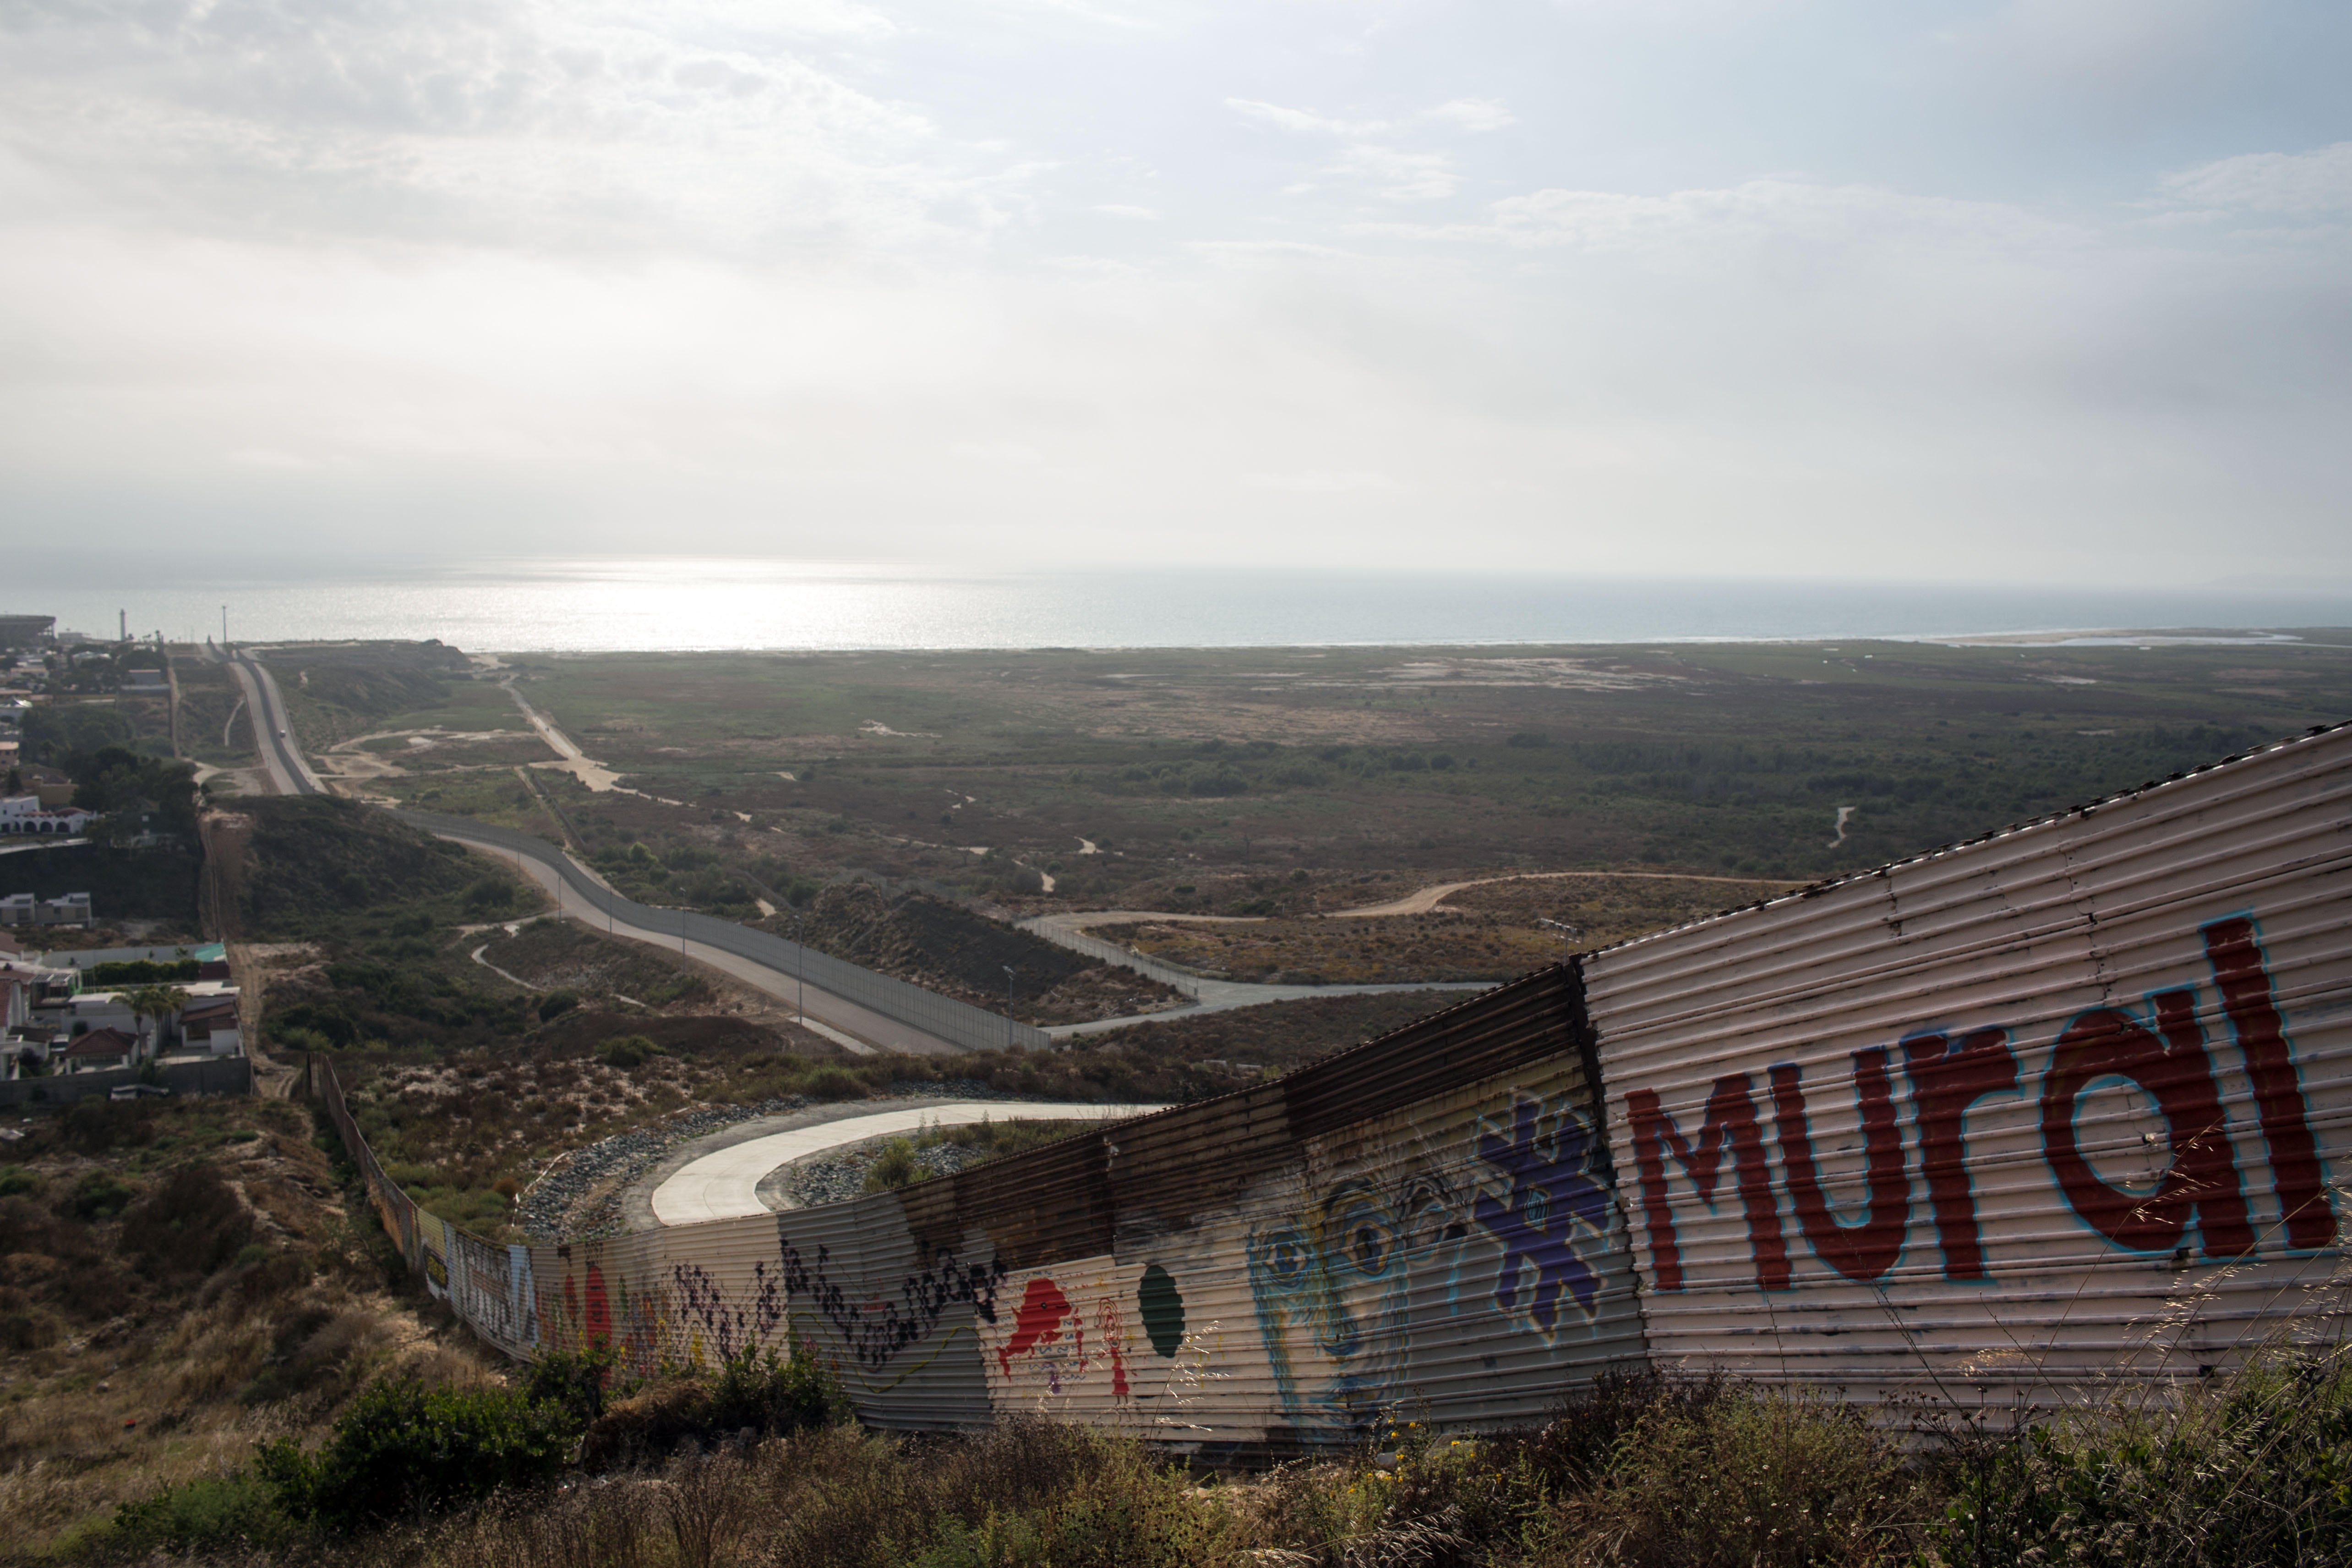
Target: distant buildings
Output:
[(23, 814), (66, 910), (52, 1024), (23, 631)]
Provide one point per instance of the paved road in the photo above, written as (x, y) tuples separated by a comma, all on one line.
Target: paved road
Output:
[(280, 757), (859, 1029), (724, 1184), (856, 1028)]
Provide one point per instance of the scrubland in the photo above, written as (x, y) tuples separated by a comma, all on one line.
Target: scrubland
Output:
[(754, 1464)]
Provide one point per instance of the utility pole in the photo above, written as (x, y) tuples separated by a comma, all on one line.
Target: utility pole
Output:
[(1567, 933), (800, 966), (1008, 1007), (224, 631)]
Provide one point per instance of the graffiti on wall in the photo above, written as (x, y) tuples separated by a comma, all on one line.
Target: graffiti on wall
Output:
[(2164, 1053), (2063, 1065), (1495, 1221)]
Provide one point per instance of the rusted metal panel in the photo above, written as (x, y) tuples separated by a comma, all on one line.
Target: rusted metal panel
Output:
[(1046, 1204), (1166, 1173), (2058, 1106), (1538, 1016)]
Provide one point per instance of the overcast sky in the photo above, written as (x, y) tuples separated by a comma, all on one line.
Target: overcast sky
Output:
[(2053, 288)]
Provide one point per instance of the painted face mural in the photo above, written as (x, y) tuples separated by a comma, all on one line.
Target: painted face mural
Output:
[(1489, 1220), (1331, 1287)]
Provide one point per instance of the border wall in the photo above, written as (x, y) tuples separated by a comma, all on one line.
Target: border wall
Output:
[(2068, 1104), (958, 1023)]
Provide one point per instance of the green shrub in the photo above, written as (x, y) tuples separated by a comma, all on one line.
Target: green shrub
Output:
[(628, 1050), (209, 1514), (555, 1004), (576, 1381), (754, 1390), (2257, 1469), (1752, 1478), (835, 1083), (98, 1195), (774, 1393), (895, 1167), (18, 1181), (138, 971), (402, 1449)]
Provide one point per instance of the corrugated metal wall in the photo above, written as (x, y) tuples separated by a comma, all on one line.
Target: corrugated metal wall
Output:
[(2057, 1106), (1420, 1227), (2065, 1104)]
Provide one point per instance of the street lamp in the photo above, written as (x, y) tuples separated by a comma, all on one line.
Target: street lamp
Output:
[(800, 966), (1008, 1007)]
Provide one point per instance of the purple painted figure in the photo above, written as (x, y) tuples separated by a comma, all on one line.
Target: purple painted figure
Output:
[(1551, 1187)]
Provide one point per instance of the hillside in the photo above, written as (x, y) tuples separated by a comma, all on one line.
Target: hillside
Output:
[(319, 863), (183, 1278), (951, 950)]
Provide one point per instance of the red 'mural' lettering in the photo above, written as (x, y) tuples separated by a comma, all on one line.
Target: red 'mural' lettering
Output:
[(1947, 1079), (2294, 1161), (1861, 1251), (2202, 1178), (1730, 1119)]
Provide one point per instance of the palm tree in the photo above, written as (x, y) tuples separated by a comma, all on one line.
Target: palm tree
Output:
[(156, 1002)]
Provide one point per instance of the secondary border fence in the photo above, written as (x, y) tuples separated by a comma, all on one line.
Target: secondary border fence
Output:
[(2015, 1121), (1111, 952), (958, 1023)]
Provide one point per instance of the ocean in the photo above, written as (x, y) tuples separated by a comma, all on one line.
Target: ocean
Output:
[(604, 604)]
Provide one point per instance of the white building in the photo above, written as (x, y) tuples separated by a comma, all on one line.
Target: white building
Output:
[(24, 909), (25, 813), (207, 1024)]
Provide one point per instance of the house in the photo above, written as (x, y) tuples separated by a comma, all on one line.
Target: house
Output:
[(213, 1002), (24, 909), (100, 1050), (23, 814), (210, 1025)]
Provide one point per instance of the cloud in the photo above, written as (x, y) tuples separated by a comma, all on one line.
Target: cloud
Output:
[(1343, 482), (1020, 281), (1846, 219), (1473, 114), (1300, 120), (693, 126), (2306, 185), (1400, 177)]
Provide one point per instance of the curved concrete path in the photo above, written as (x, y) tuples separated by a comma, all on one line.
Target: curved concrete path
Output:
[(724, 1184), (1426, 899), (1206, 995)]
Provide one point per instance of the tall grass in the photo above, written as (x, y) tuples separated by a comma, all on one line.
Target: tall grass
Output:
[(1639, 1472)]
